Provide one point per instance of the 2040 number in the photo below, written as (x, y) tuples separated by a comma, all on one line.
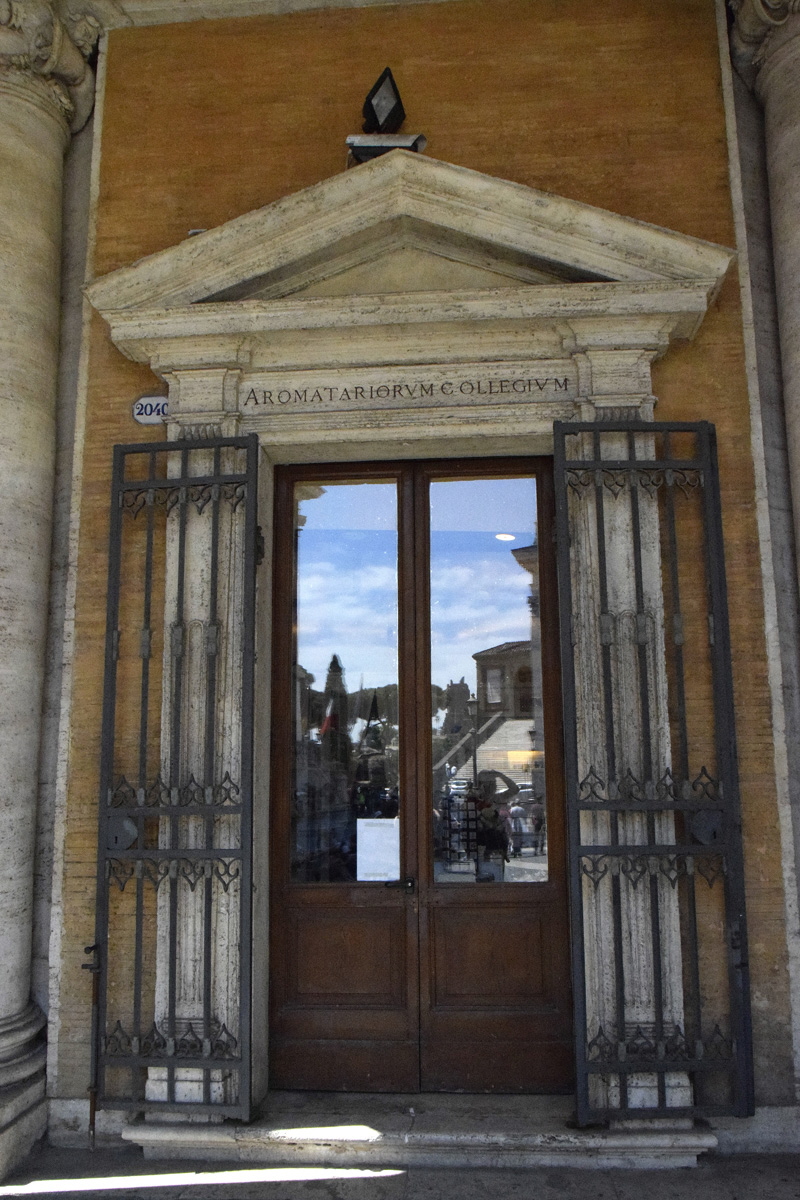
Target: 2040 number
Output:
[(150, 410)]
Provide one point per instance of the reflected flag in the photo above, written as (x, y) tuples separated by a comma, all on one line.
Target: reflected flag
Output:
[(330, 721)]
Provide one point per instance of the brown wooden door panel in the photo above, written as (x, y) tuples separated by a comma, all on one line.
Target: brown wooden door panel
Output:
[(344, 1066), (443, 987), (486, 959), (490, 1065), (347, 957), (344, 978), (496, 1019), (352, 1022), (481, 1024), (347, 971), (347, 1019)]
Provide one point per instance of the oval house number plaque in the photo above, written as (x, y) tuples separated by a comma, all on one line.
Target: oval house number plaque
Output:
[(150, 410)]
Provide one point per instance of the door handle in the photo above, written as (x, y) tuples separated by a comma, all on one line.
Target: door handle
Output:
[(407, 885)]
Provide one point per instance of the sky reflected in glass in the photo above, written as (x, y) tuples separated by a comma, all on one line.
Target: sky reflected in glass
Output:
[(348, 584), (479, 591)]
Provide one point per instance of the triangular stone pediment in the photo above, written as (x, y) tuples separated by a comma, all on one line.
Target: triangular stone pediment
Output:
[(407, 269), (401, 255), (405, 223)]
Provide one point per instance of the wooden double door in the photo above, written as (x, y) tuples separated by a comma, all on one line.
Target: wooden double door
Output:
[(419, 934)]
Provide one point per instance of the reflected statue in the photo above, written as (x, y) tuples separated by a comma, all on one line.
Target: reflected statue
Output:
[(370, 793), (333, 731), (455, 697)]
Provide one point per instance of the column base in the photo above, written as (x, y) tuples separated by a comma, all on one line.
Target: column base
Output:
[(23, 1108), (23, 1051), (23, 1121)]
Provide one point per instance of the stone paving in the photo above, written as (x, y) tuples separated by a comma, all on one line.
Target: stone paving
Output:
[(125, 1175)]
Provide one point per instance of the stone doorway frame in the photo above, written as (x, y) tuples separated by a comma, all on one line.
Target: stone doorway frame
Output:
[(521, 309)]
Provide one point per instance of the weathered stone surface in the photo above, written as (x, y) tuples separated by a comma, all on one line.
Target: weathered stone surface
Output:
[(33, 136), (46, 87)]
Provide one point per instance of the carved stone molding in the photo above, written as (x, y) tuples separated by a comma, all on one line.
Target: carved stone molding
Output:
[(754, 29), (51, 40), (280, 316)]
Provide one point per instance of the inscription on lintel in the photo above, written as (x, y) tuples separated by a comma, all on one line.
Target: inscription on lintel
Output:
[(411, 387)]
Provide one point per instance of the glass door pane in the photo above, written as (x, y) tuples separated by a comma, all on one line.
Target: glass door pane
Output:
[(345, 823), (489, 794)]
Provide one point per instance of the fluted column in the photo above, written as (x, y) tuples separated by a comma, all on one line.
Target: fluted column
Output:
[(46, 89), (765, 43)]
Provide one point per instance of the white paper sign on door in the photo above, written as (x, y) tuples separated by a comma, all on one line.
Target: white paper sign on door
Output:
[(378, 849)]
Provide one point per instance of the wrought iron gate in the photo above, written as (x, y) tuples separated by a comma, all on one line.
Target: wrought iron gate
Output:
[(172, 1019), (662, 1020)]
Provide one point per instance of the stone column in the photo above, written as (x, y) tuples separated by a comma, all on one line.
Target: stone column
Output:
[(765, 45), (46, 89)]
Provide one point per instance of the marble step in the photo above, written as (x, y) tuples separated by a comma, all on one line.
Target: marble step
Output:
[(414, 1131)]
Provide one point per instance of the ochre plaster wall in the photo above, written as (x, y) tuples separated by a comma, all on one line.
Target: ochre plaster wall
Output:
[(618, 105)]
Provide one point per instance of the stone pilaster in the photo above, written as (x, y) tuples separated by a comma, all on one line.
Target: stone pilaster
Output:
[(765, 45), (46, 90), (204, 590), (614, 383)]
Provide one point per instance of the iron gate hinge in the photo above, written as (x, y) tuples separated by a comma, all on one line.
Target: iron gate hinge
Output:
[(260, 548), (94, 965)]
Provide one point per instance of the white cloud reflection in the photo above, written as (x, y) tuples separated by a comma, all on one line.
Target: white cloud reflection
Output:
[(347, 605)]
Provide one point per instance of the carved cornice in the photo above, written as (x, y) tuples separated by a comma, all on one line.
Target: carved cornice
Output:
[(754, 28), (51, 40)]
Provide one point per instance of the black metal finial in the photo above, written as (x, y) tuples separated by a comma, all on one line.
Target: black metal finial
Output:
[(383, 109)]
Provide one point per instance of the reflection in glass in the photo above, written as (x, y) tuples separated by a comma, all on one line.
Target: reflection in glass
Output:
[(489, 799), (346, 799)]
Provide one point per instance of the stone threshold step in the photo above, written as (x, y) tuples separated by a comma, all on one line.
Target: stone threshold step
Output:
[(450, 1132)]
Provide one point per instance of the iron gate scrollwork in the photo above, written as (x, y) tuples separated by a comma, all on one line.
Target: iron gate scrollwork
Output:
[(662, 1019), (172, 1028)]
